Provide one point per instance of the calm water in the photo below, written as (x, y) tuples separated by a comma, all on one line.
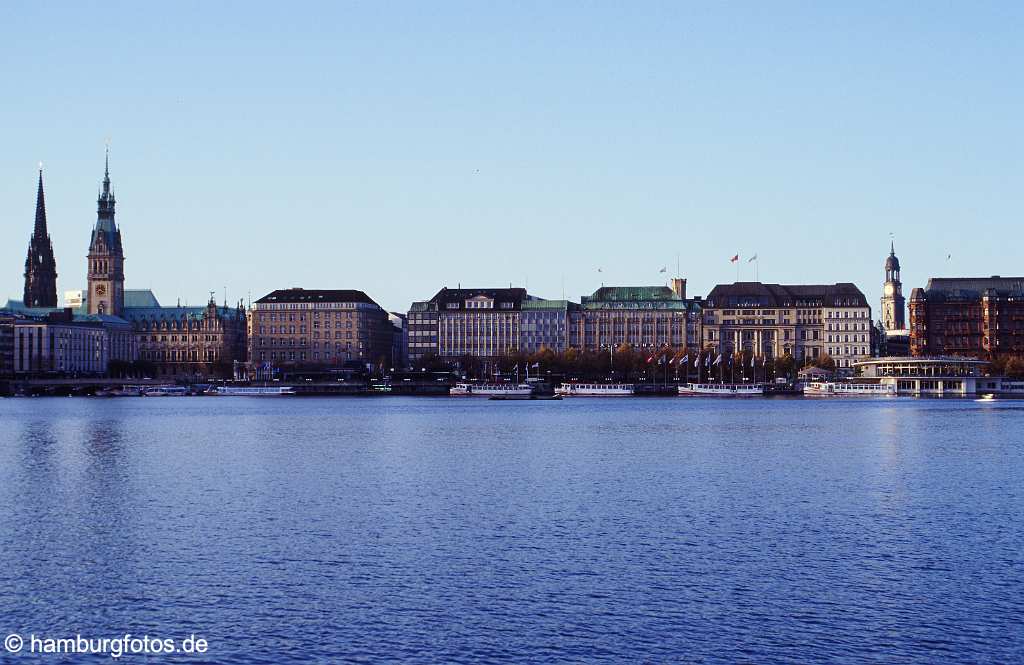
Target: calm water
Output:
[(431, 530)]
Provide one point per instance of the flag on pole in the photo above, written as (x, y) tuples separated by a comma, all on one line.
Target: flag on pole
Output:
[(718, 359), (535, 365), (949, 256), (707, 360), (665, 269), (650, 359), (599, 270), (752, 359), (685, 359), (734, 259), (752, 259)]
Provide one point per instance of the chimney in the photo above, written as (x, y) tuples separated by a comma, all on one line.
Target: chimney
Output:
[(679, 287)]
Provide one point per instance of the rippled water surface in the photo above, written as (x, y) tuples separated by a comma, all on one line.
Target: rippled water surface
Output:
[(439, 530)]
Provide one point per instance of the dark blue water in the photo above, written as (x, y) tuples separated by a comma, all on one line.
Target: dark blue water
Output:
[(434, 530)]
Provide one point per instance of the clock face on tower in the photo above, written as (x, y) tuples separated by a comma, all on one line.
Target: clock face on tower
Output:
[(888, 289), (100, 289)]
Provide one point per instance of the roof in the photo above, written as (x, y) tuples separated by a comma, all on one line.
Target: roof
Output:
[(631, 294), (139, 298), (758, 294), (18, 307), (316, 295), (446, 296), (540, 304), (175, 313), (973, 288), (636, 297)]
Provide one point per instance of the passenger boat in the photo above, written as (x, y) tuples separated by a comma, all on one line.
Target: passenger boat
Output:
[(491, 389), (595, 389), (848, 388), (723, 389), (165, 391), (122, 391), (254, 391)]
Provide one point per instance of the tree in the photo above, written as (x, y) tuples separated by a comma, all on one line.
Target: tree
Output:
[(825, 361)]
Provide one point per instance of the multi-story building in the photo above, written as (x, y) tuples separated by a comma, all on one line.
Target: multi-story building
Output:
[(309, 327), (40, 266), (805, 321), (186, 342), (484, 323), (61, 343), (547, 324), (7, 320), (643, 316), (980, 317), (422, 336), (399, 340)]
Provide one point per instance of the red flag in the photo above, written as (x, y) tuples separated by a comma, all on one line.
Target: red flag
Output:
[(734, 259)]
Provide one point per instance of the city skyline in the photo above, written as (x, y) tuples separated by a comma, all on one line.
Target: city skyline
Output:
[(485, 147)]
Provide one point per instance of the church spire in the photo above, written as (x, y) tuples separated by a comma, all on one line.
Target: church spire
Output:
[(40, 229), (40, 266)]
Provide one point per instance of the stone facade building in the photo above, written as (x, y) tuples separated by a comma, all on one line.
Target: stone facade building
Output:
[(40, 265), (979, 317), (645, 317), (318, 327), (460, 322), (187, 342), (805, 321)]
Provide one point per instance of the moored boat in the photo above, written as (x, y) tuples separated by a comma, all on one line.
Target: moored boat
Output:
[(849, 388), (254, 391), (595, 389), (165, 391), (491, 389), (723, 389)]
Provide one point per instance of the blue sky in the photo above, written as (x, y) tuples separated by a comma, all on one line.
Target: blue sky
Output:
[(399, 147)]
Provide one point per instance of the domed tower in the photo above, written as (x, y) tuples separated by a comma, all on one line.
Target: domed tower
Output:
[(893, 304), (106, 257)]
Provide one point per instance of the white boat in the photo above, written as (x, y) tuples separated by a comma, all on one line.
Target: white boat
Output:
[(165, 391), (723, 389), (595, 389), (491, 389), (848, 388), (255, 391)]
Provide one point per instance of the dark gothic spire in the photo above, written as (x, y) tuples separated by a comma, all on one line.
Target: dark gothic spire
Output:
[(40, 230), (40, 266)]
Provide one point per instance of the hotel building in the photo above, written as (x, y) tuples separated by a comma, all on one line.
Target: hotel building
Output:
[(805, 321), (326, 327)]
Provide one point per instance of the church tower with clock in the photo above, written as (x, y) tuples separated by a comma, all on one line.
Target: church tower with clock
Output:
[(893, 304), (106, 256)]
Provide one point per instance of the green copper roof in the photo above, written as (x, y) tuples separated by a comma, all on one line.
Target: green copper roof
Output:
[(631, 294), (549, 304)]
